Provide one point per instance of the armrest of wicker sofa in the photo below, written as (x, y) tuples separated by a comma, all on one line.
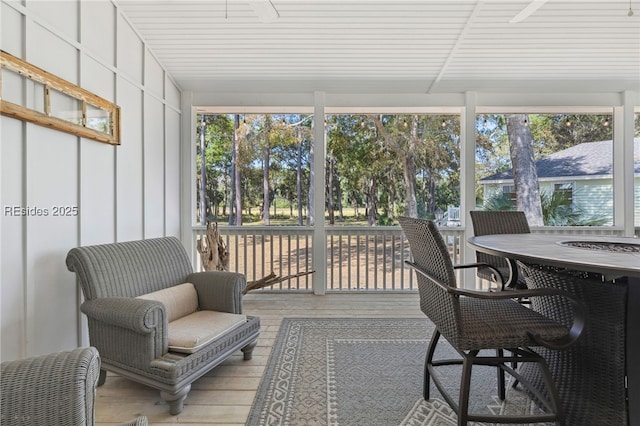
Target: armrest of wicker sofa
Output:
[(139, 315), (57, 388), (219, 291), (141, 323)]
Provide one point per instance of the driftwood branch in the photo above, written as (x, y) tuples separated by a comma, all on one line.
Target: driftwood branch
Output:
[(215, 257), (271, 279), (213, 250)]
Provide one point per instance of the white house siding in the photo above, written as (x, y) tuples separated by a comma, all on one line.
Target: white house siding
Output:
[(491, 190), (636, 187), (122, 193), (593, 196)]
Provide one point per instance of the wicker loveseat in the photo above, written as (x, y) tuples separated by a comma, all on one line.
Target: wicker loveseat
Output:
[(53, 389), (155, 321)]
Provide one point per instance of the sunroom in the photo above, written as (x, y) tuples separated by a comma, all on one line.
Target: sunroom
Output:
[(331, 70)]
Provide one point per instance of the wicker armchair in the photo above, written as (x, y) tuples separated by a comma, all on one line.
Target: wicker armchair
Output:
[(498, 222), (475, 320), (156, 322), (53, 389)]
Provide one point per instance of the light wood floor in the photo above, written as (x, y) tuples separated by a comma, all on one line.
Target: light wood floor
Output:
[(224, 396)]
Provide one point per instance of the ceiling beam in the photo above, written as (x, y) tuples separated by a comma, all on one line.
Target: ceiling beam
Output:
[(527, 11), (468, 24)]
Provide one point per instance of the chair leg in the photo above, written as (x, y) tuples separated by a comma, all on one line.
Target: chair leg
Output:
[(514, 365), (554, 397), (501, 382), (427, 363), (465, 388), (176, 400), (102, 377), (248, 350)]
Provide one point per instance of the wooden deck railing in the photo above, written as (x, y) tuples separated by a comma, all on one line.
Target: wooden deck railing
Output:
[(256, 251), (358, 258)]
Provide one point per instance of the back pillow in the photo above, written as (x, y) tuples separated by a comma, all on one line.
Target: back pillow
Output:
[(180, 300)]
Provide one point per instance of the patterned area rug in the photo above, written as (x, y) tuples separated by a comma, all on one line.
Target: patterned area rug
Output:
[(368, 372)]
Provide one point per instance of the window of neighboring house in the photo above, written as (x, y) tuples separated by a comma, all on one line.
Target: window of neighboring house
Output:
[(509, 193), (564, 190)]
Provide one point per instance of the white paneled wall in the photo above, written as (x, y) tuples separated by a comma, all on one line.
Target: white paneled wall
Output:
[(122, 192)]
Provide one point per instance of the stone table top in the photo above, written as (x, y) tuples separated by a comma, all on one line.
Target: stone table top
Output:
[(568, 251)]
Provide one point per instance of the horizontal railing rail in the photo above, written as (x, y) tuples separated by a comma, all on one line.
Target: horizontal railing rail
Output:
[(359, 258)]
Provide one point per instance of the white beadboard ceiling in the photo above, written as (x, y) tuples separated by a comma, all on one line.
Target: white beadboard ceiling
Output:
[(393, 46)]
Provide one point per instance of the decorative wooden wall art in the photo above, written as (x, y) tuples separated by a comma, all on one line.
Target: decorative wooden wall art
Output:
[(54, 102)]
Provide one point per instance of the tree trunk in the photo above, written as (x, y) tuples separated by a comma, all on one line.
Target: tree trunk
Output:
[(225, 197), (332, 219), (432, 194), (356, 207), (339, 200), (409, 172), (236, 175), (265, 183), (203, 173), (407, 155), (372, 206), (299, 180), (232, 185), (525, 174), (266, 153), (312, 176)]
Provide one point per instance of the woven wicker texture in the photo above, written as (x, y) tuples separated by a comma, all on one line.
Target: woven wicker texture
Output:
[(131, 333), (497, 222), (472, 321), (469, 323), (53, 389), (590, 375), (131, 268)]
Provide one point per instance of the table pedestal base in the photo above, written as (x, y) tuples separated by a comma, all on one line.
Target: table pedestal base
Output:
[(590, 376)]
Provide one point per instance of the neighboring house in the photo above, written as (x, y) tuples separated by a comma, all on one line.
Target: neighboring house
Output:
[(584, 171)]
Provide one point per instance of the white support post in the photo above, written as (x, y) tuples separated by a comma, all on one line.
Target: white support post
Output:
[(319, 235), (467, 182), (623, 173), (187, 173), (626, 164)]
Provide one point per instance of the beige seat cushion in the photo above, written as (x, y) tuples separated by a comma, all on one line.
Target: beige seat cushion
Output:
[(189, 334), (179, 301)]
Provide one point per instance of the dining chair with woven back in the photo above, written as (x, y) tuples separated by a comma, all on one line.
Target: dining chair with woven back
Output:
[(473, 321), (490, 222)]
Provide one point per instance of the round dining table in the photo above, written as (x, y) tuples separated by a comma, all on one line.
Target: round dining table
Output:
[(610, 291)]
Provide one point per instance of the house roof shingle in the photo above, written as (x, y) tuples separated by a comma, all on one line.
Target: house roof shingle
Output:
[(585, 159)]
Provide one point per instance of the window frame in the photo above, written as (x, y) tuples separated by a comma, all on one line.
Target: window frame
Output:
[(567, 187), (57, 88)]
